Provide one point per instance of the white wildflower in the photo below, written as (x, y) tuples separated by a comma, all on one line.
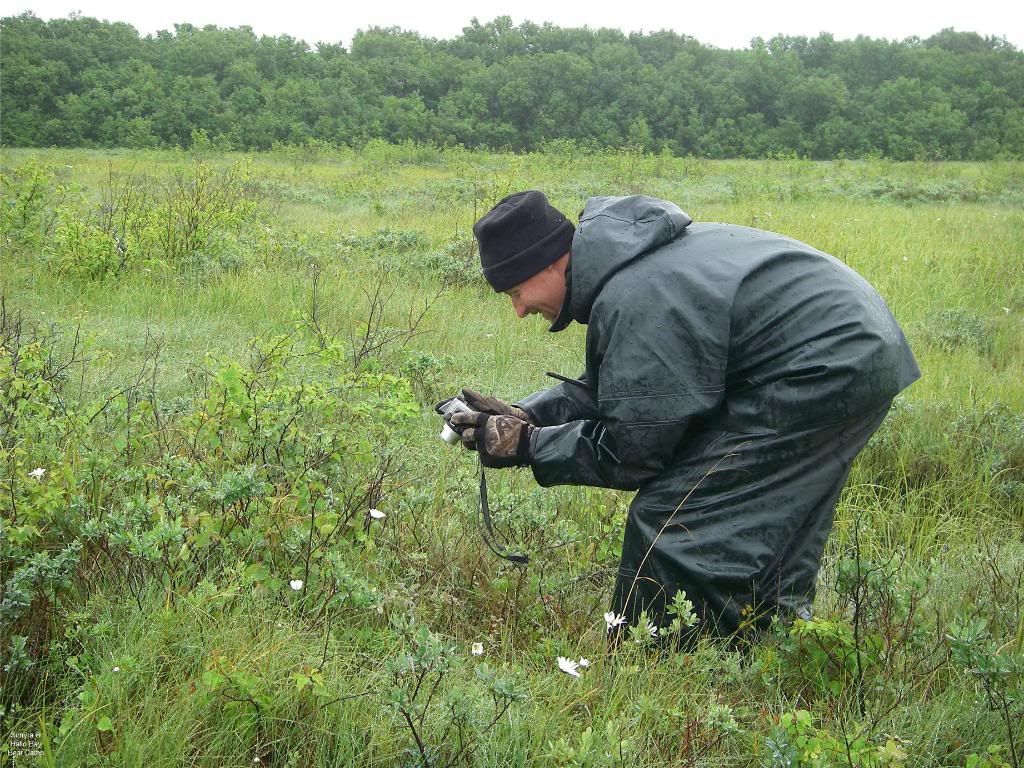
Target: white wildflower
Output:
[(613, 620), (117, 669), (295, 584), (478, 649), (568, 666), (651, 629), (376, 514), (584, 663), (1006, 310), (37, 473)]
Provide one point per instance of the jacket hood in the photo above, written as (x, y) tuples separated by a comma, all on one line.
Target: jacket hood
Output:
[(613, 232)]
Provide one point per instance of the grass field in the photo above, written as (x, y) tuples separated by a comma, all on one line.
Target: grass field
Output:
[(222, 363)]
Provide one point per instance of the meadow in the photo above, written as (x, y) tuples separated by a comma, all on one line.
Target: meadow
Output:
[(231, 536)]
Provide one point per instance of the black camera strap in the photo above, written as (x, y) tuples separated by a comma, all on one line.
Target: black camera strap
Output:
[(487, 531)]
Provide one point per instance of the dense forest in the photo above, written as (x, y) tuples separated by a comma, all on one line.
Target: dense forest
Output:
[(80, 82)]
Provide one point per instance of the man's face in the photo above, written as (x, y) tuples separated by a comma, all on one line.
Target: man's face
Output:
[(541, 294)]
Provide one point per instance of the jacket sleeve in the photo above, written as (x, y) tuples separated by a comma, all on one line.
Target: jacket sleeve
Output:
[(660, 359), (561, 404)]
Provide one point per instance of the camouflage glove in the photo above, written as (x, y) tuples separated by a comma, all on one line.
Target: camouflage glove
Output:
[(501, 441), (484, 404)]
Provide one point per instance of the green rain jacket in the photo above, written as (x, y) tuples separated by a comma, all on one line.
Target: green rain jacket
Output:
[(723, 366)]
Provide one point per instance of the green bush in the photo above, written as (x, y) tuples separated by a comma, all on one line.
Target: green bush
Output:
[(274, 463), (952, 329), (191, 220), (82, 250), (30, 193)]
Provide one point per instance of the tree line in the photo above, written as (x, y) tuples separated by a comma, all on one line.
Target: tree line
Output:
[(80, 82)]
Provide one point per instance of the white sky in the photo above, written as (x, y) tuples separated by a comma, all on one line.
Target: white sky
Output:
[(722, 23)]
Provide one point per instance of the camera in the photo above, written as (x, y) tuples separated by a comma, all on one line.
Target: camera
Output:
[(455, 405)]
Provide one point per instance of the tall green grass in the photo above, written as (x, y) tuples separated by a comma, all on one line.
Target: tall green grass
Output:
[(934, 510)]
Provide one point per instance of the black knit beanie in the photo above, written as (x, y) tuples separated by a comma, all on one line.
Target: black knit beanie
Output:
[(519, 237)]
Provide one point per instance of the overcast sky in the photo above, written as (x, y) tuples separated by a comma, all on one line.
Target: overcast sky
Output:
[(723, 23)]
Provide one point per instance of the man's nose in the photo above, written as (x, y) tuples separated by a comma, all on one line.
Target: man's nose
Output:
[(519, 307)]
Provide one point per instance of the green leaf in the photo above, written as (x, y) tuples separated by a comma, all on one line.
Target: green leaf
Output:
[(104, 724), (257, 572), (213, 679)]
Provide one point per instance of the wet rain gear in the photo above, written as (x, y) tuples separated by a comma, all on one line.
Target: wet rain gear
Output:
[(731, 377)]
